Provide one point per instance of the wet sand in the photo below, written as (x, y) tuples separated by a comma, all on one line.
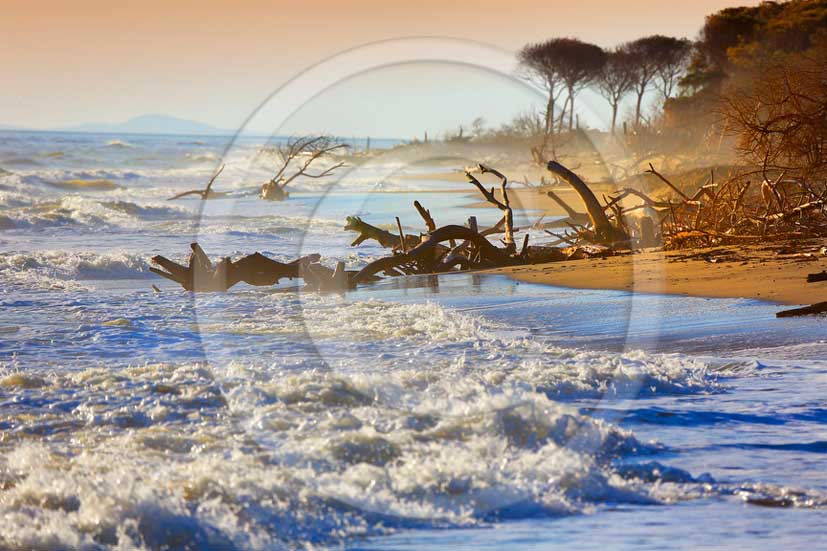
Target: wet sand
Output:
[(776, 272)]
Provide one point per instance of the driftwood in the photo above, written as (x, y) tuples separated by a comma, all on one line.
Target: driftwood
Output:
[(602, 228), (666, 181), (303, 151), (715, 213), (383, 237), (504, 205), (574, 217), (426, 216), (468, 247), (819, 308), (782, 216), (438, 249), (206, 193), (256, 269), (733, 211), (486, 251), (813, 278)]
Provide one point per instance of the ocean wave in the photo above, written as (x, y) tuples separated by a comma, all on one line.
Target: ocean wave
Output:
[(146, 212), (272, 224), (205, 157), (21, 162), (61, 269), (422, 417), (14, 199), (79, 212), (119, 144), (459, 341), (56, 177), (68, 212), (776, 496), (185, 456)]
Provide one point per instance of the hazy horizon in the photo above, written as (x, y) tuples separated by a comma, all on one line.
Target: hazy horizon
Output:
[(91, 62)]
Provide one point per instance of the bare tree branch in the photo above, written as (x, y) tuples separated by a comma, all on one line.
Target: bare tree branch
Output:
[(311, 149), (205, 193)]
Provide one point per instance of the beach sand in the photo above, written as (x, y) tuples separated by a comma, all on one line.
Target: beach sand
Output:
[(776, 272)]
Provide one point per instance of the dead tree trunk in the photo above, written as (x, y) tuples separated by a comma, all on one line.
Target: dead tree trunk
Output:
[(486, 250), (303, 151), (573, 216), (384, 238), (603, 229), (255, 269), (819, 308), (205, 193), (504, 205), (426, 216)]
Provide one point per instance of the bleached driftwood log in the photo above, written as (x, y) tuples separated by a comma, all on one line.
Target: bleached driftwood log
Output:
[(206, 193), (202, 275)]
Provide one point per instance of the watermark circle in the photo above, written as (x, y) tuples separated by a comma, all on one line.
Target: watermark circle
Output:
[(314, 210)]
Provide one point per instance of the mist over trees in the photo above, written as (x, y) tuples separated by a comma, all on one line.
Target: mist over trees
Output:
[(568, 65), (672, 61), (749, 89), (615, 80), (735, 38), (721, 82)]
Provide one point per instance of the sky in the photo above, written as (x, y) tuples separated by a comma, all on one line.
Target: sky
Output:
[(67, 63)]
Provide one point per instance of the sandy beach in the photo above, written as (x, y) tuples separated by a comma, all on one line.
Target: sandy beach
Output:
[(776, 272)]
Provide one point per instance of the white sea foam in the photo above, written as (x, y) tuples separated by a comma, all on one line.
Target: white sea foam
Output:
[(77, 210), (424, 417), (65, 270), (189, 456), (459, 343), (203, 157)]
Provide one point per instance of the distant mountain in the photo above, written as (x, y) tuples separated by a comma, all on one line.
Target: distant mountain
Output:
[(149, 124)]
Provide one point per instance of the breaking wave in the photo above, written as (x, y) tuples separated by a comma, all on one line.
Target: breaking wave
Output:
[(466, 431), (119, 144), (236, 458), (206, 157), (82, 212), (61, 269)]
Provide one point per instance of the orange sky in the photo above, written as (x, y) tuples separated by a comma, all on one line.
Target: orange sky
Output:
[(67, 62)]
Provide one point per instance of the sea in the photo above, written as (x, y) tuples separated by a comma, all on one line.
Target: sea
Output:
[(464, 411)]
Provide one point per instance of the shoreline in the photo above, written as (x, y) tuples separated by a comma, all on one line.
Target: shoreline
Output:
[(771, 272)]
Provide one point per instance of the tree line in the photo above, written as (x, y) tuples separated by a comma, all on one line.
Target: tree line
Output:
[(568, 65), (689, 76)]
